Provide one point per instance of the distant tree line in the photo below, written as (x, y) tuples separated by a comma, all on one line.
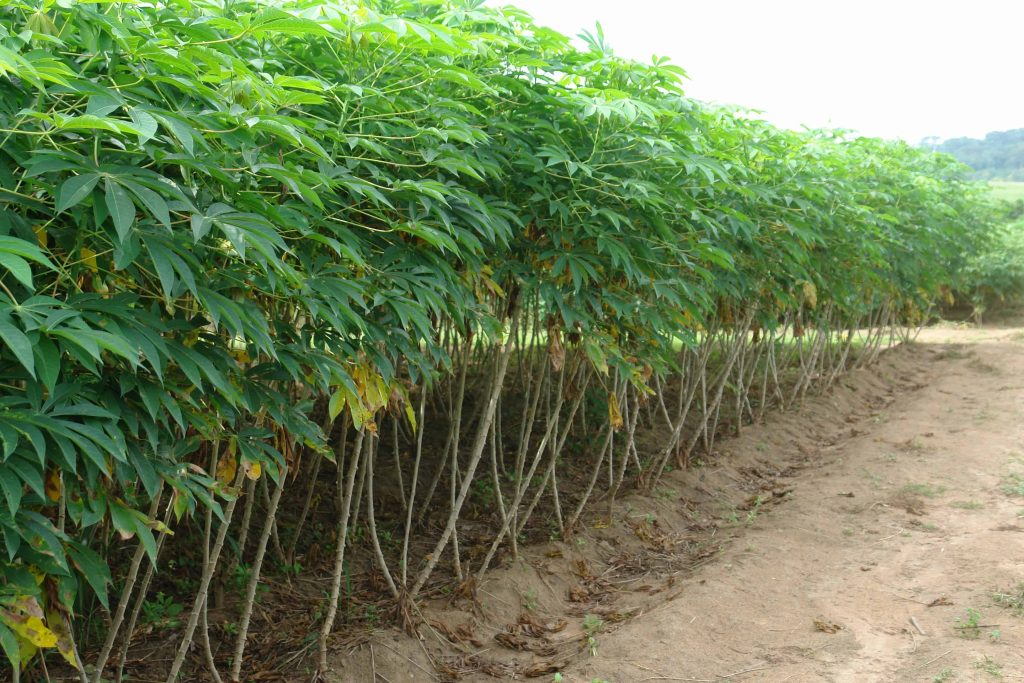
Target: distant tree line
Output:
[(999, 156)]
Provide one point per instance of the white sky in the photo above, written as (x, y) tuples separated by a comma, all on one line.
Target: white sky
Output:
[(898, 68)]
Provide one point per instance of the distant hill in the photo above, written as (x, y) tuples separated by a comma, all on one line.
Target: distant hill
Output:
[(999, 156)]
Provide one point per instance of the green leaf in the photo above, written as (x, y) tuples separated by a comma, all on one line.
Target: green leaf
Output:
[(9, 643), (121, 207), (18, 267), (18, 343), (92, 568), (11, 486), (145, 123), (47, 358), (24, 249), (152, 201), (75, 189)]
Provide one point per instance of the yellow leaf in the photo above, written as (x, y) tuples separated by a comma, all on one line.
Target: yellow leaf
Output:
[(810, 294), (41, 236), (89, 259), (410, 414), (227, 466), (253, 470), (614, 414), (337, 403), (30, 628), (65, 646), (53, 485)]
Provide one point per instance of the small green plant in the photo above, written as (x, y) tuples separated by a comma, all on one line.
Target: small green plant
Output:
[(291, 569), (969, 625), (162, 612), (239, 577), (994, 635), (1011, 599), (1013, 485), (989, 666), (529, 599), (926, 490), (667, 493), (945, 675), (967, 504), (592, 624), (557, 678), (754, 509)]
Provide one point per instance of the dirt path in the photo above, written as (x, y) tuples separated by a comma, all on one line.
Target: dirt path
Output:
[(917, 515)]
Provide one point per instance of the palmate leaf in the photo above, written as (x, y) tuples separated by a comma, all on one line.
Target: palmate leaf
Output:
[(17, 342), (121, 208), (261, 232), (75, 189)]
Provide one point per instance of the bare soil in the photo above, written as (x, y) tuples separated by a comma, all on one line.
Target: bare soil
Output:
[(859, 539)]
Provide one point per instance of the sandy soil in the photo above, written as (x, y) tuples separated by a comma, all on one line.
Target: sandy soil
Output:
[(842, 542), (912, 518)]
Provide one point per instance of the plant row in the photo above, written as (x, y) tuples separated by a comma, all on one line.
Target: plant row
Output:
[(427, 246)]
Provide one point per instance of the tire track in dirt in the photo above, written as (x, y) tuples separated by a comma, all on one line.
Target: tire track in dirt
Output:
[(930, 520)]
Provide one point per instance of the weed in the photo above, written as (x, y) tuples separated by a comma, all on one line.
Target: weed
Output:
[(968, 626), (916, 444), (529, 599), (967, 504), (943, 676), (291, 569), (1011, 599), (239, 577), (989, 666), (926, 490), (761, 446), (982, 366), (754, 509), (483, 491), (162, 612), (667, 494), (592, 624), (1013, 485), (994, 635), (847, 531)]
